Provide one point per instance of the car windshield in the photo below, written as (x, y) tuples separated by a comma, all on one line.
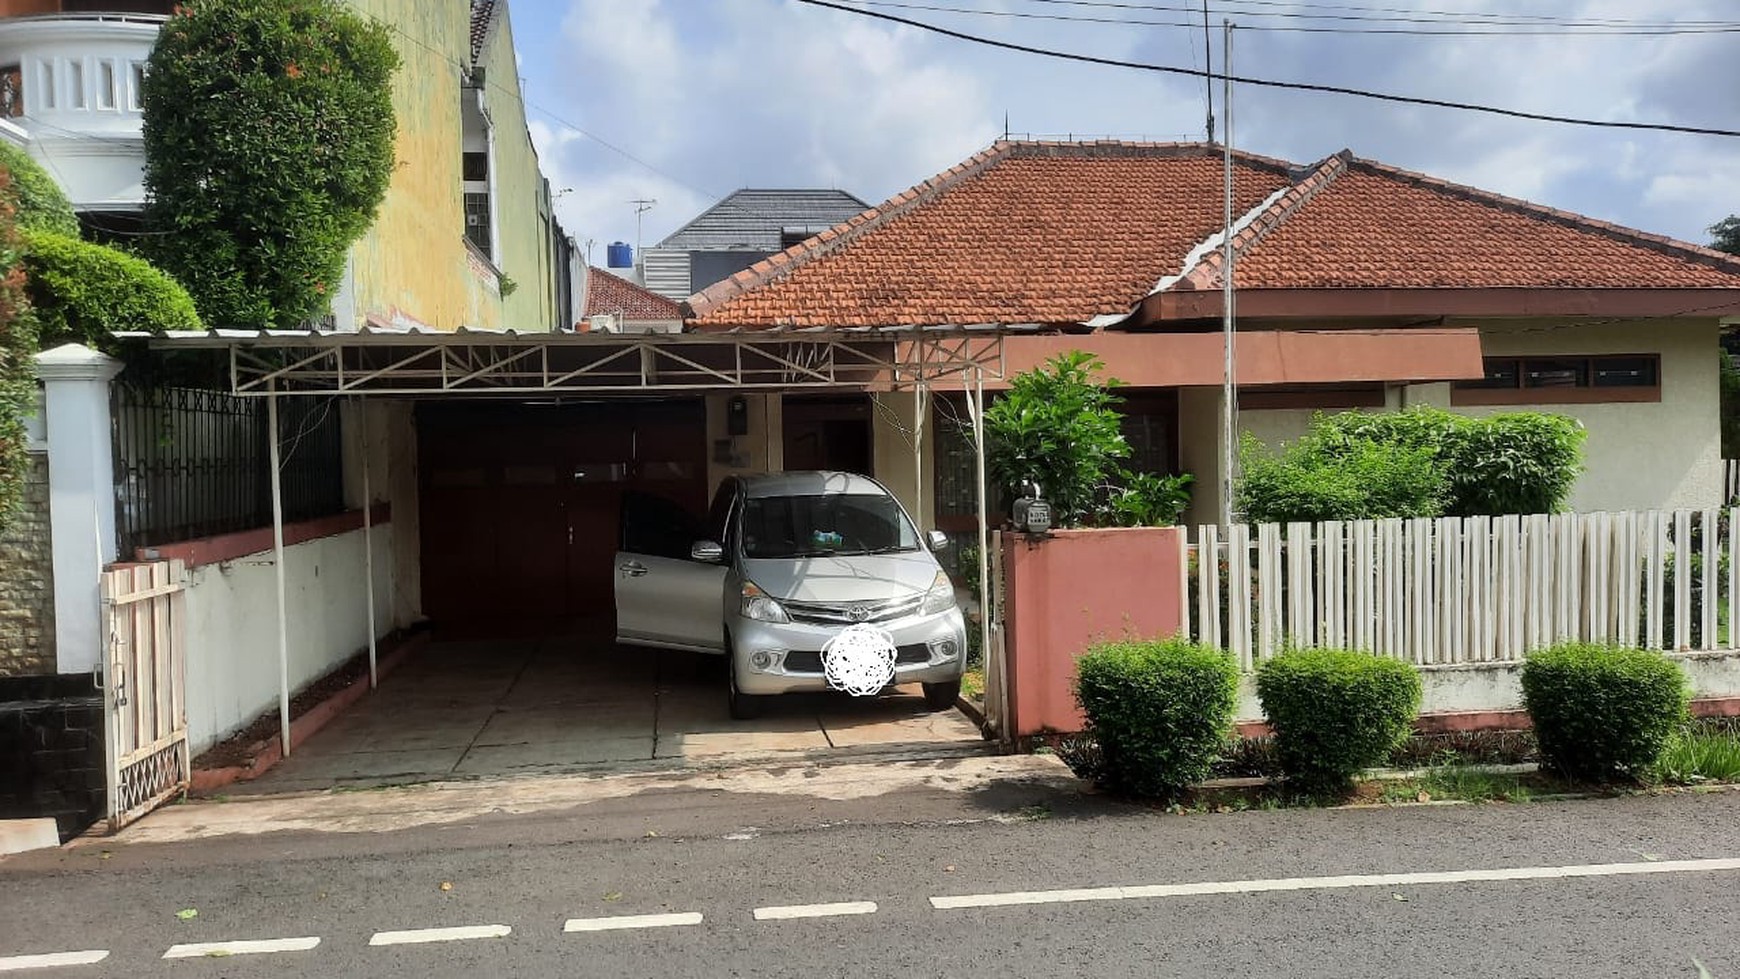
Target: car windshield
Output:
[(830, 524)]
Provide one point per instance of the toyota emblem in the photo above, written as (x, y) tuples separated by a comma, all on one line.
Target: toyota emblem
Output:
[(858, 613)]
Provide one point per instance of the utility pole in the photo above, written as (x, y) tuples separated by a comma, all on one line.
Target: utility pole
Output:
[(1208, 73), (1229, 396)]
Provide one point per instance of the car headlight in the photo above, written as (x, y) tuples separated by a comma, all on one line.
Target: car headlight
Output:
[(941, 596), (759, 606)]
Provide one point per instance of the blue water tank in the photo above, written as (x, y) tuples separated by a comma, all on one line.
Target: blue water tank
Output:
[(620, 255)]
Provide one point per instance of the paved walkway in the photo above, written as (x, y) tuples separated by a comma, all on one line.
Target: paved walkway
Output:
[(510, 707)]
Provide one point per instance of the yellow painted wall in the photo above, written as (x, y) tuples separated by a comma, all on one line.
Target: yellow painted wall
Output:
[(414, 266)]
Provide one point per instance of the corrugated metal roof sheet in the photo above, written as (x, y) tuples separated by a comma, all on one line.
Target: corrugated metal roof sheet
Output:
[(753, 220)]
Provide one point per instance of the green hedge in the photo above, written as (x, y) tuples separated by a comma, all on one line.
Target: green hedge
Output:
[(1336, 712), (1601, 712), (83, 291), (39, 200), (1161, 712)]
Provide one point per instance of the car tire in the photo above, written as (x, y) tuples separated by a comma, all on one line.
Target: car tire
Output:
[(942, 696), (744, 706)]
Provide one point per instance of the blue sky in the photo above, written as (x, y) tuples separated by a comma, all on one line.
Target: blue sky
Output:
[(696, 98)]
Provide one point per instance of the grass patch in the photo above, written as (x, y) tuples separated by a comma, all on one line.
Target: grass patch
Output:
[(1452, 780), (973, 684), (1694, 755)]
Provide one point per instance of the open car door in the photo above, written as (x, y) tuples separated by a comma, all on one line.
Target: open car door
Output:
[(663, 598)]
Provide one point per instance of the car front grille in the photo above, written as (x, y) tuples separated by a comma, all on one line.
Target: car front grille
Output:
[(851, 613), (811, 662)]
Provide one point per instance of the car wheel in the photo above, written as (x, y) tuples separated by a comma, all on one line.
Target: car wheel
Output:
[(744, 706), (942, 696)]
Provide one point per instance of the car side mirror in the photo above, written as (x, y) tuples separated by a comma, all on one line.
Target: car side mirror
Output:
[(937, 539), (707, 552)]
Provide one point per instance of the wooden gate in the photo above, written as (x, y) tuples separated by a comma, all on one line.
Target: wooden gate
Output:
[(144, 688)]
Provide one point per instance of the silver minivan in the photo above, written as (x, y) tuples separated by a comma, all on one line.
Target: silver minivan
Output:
[(785, 563)]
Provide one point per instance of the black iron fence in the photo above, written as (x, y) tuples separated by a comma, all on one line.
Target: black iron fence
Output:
[(193, 463)]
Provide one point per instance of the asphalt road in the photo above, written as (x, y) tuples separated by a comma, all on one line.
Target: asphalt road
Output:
[(722, 859)]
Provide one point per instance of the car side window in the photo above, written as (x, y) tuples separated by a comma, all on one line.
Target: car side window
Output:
[(657, 527)]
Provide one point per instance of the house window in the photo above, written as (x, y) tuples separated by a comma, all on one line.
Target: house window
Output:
[(136, 93), (477, 222), (46, 88), (1563, 380), (11, 91), (107, 98), (475, 166), (75, 83)]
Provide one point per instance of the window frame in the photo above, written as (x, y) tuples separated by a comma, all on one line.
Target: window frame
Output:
[(1466, 393)]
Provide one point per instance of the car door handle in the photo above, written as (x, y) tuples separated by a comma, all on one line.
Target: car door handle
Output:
[(633, 569)]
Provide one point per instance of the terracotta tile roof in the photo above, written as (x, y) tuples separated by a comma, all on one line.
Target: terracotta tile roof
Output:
[(1020, 233), (482, 19), (1065, 232), (1377, 226), (606, 293)]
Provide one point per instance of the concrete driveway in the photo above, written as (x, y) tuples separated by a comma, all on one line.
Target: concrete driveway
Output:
[(540, 706)]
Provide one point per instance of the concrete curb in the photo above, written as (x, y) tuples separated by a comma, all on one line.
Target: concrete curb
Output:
[(271, 751)]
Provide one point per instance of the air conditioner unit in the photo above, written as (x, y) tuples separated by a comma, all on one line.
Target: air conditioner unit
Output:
[(473, 220)]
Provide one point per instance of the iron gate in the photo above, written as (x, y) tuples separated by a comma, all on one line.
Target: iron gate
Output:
[(144, 687)]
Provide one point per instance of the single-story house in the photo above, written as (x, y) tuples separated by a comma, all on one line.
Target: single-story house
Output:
[(1358, 285)]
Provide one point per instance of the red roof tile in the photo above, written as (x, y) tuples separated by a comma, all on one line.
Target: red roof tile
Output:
[(606, 293), (1021, 233), (1064, 232)]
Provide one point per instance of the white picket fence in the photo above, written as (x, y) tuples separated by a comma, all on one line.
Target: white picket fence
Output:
[(1467, 590), (1730, 480)]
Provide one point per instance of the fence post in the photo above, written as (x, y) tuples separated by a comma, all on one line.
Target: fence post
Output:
[(81, 488)]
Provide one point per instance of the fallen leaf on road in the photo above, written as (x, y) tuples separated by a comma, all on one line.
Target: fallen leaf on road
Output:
[(104, 855), (187, 914), (949, 869), (1399, 898), (652, 834), (447, 885), (1424, 796), (613, 896), (218, 953)]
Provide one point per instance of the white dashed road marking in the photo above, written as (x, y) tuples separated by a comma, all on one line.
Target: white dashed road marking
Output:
[(49, 960), (1009, 898), (790, 911), (419, 936), (264, 947), (623, 921)]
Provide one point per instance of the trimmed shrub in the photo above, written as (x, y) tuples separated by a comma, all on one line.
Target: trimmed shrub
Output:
[(1601, 712), (1336, 712), (1515, 462), (1160, 711), (39, 200), (1363, 481), (82, 291), (269, 144)]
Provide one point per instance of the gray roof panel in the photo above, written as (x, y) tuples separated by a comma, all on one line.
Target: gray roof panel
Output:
[(752, 220)]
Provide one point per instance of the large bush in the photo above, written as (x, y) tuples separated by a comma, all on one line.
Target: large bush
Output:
[(1160, 711), (1422, 462), (1336, 712), (1602, 711), (17, 348), (81, 291), (38, 200), (268, 147)]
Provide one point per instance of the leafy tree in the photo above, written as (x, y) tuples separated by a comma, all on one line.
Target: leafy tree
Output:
[(39, 200), (269, 135), (1725, 235), (17, 348), (1057, 426)]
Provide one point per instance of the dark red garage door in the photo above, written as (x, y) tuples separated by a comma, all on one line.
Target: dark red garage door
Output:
[(520, 503)]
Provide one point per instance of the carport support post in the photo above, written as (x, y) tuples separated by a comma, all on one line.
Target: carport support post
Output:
[(278, 567), (368, 541)]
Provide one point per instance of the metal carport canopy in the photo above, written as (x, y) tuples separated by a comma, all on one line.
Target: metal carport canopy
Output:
[(469, 362), (385, 362)]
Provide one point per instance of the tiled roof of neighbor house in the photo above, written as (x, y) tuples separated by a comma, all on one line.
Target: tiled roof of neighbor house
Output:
[(1064, 233), (482, 19), (606, 293), (752, 220)]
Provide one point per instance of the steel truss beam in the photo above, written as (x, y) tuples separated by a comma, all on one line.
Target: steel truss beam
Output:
[(485, 365)]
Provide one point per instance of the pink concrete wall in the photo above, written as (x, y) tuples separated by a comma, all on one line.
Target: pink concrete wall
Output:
[(1071, 590)]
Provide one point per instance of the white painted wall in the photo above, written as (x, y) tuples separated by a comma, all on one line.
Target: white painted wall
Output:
[(232, 642), (1498, 686)]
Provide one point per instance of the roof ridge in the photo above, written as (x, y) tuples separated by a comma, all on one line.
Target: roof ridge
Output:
[(782, 263), (1571, 219), (1252, 227)]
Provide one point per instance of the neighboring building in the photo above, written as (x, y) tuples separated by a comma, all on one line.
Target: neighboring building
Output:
[(466, 236), (1358, 286), (616, 305), (737, 232)]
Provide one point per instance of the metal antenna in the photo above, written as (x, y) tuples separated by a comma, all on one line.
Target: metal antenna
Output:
[(641, 206), (1208, 74)]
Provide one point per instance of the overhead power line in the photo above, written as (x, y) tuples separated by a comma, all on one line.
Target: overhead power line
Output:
[(1451, 28), (1272, 83), (1300, 10)]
